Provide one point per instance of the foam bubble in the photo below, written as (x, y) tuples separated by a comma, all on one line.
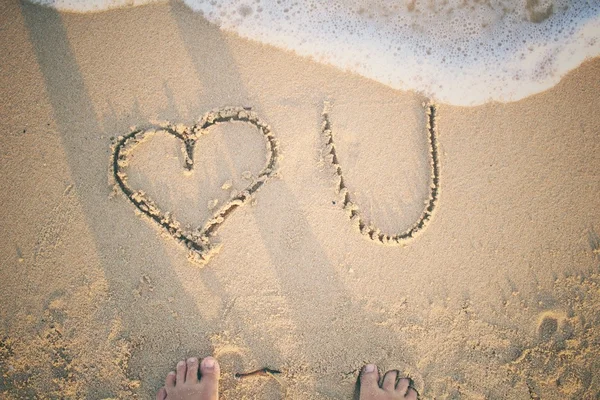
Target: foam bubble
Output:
[(462, 52)]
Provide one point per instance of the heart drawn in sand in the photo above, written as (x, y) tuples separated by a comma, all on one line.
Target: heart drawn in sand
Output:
[(197, 241)]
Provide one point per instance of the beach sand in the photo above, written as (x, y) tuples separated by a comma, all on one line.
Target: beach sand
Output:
[(497, 296)]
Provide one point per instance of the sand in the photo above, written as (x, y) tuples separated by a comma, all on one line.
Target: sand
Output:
[(496, 296)]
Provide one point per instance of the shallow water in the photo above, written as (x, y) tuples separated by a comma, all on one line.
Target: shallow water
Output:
[(461, 52)]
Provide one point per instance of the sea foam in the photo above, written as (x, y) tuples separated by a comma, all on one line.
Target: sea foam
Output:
[(461, 52)]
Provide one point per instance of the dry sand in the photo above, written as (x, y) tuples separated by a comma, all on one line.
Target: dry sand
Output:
[(497, 297)]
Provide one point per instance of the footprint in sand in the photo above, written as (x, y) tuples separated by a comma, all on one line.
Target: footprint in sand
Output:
[(366, 227), (547, 327), (198, 241), (548, 324)]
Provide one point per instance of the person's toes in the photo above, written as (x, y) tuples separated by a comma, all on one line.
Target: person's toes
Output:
[(170, 380), (210, 372), (402, 386), (161, 394), (389, 381), (411, 394), (369, 381), (181, 368), (192, 370)]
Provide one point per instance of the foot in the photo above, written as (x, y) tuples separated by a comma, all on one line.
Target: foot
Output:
[(391, 387), (185, 384)]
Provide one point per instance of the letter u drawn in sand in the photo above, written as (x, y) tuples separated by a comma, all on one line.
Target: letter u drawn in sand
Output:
[(366, 227), (197, 241)]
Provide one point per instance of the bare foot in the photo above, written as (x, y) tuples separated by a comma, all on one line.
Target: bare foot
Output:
[(185, 385), (391, 388)]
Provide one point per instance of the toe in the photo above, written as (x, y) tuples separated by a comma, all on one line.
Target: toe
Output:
[(369, 381), (192, 370), (389, 381), (210, 371), (161, 394), (402, 386), (170, 380), (181, 368), (411, 394)]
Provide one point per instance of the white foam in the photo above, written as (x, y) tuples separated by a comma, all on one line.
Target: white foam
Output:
[(462, 52), (82, 6)]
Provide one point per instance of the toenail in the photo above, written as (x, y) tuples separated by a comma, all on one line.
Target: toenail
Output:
[(192, 360), (369, 368), (181, 363), (209, 363), (171, 372)]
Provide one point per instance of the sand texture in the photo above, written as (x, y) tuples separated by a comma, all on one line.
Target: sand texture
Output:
[(169, 190)]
